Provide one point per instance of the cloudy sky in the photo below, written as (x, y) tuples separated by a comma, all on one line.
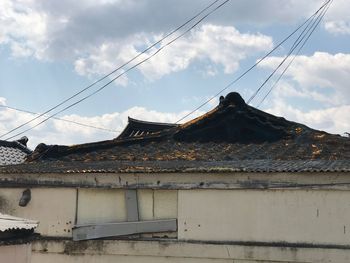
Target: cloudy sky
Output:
[(50, 50)]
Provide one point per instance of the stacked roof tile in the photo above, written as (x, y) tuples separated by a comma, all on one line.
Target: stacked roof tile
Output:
[(234, 136), (14, 152)]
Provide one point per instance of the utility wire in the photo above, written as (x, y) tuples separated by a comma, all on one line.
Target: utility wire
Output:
[(120, 67), (292, 60), (253, 66), (294, 46), (121, 74), (60, 119)]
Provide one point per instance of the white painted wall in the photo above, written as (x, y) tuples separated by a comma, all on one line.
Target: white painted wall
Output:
[(206, 215), (296, 216), (54, 208), (101, 206)]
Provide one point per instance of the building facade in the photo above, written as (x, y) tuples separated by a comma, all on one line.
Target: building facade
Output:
[(234, 185)]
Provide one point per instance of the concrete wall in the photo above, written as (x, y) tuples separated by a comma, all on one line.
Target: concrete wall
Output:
[(225, 221), (15, 253), (294, 216), (54, 208), (57, 209), (168, 251), (100, 206)]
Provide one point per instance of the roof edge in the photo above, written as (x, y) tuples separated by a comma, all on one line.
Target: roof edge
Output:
[(132, 120)]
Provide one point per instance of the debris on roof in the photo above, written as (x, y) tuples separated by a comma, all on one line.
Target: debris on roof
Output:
[(179, 166), (232, 132), (14, 152)]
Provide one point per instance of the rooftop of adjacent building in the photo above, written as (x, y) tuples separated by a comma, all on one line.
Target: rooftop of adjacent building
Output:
[(234, 136), (14, 152)]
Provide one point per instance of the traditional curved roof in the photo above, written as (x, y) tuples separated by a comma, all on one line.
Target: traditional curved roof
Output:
[(139, 128), (233, 133)]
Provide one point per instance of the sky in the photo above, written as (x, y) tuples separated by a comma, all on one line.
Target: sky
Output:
[(49, 50)]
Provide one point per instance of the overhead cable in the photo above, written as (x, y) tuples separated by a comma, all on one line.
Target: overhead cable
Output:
[(60, 119), (123, 65), (292, 60), (254, 65), (294, 46), (118, 76)]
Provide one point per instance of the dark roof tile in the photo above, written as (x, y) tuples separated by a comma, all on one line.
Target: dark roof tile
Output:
[(183, 166), (234, 135), (14, 152)]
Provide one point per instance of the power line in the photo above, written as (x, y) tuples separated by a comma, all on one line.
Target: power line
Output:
[(253, 66), (60, 119), (121, 74), (291, 61), (294, 46), (123, 65)]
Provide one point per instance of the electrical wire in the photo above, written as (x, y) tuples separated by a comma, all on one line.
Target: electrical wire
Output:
[(60, 119), (295, 45), (121, 74), (115, 70), (292, 60), (253, 66)]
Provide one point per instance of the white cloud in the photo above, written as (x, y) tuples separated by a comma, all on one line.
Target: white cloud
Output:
[(333, 119), (338, 27), (338, 19), (23, 28), (224, 46), (60, 132), (78, 31), (64, 29), (321, 82), (322, 77)]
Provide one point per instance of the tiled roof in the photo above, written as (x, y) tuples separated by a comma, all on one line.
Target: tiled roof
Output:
[(234, 136), (138, 128), (181, 166), (14, 152)]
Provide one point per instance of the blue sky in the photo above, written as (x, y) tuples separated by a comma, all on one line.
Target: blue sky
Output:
[(52, 49)]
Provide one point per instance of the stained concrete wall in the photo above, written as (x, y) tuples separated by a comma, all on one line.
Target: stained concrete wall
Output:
[(229, 222), (168, 251), (100, 206), (54, 208), (295, 216), (15, 253), (57, 209)]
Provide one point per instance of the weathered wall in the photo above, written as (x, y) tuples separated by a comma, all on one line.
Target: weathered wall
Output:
[(100, 206), (295, 216), (176, 181), (57, 209), (54, 208), (98, 251), (57, 258), (15, 253), (221, 217)]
